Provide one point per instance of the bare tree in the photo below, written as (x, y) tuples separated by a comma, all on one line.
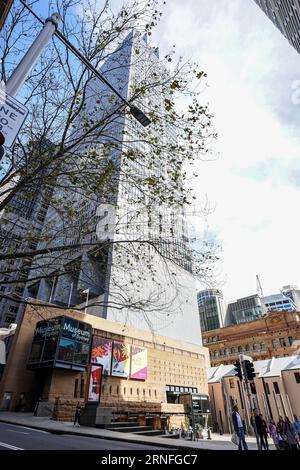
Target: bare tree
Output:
[(84, 177)]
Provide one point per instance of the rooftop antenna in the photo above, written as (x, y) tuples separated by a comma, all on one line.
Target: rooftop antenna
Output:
[(258, 286)]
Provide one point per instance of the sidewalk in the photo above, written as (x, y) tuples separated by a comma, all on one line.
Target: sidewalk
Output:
[(61, 427)]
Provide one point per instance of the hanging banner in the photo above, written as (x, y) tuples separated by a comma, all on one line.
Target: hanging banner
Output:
[(121, 359), (139, 365), (101, 353), (95, 384)]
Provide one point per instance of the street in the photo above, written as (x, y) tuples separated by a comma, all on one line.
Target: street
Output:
[(14, 437)]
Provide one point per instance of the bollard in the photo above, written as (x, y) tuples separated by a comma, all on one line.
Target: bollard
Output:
[(208, 434)]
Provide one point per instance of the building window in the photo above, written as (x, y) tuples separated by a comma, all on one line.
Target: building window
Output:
[(131, 391), (216, 354), (282, 342), (213, 339), (290, 338), (124, 391), (221, 352), (155, 393), (247, 349), (268, 388), (240, 349), (231, 383), (76, 388), (82, 389), (274, 343), (297, 377), (110, 389), (233, 351), (255, 347), (226, 352), (263, 345), (276, 388)]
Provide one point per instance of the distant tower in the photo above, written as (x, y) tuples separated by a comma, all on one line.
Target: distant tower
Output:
[(258, 287)]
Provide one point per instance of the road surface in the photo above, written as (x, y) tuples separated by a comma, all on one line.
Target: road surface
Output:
[(14, 437)]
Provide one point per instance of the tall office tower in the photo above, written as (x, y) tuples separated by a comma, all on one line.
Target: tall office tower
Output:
[(143, 276), (287, 300), (245, 309), (212, 309), (285, 14), (21, 222)]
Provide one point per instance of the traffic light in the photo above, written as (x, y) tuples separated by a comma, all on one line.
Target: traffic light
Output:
[(238, 370), (250, 372), (2, 140), (253, 388)]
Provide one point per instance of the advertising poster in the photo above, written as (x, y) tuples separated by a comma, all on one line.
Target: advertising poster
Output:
[(121, 359), (95, 384), (101, 353), (139, 363)]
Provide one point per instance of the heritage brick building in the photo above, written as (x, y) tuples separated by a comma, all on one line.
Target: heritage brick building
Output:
[(173, 367), (273, 335)]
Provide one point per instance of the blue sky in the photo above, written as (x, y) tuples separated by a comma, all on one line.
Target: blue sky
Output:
[(254, 185)]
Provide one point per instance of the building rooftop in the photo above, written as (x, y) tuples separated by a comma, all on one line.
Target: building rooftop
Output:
[(266, 368)]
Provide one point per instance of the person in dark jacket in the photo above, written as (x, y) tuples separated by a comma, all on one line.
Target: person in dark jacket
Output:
[(239, 428), (77, 414), (261, 432)]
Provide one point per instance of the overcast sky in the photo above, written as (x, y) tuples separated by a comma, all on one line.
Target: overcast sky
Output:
[(255, 183)]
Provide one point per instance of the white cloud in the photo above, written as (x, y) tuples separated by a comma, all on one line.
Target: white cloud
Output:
[(251, 68)]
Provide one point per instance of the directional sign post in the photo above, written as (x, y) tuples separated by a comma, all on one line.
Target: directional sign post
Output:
[(12, 117)]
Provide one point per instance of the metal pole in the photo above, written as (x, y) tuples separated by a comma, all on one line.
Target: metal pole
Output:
[(31, 57), (87, 300), (247, 391), (139, 115), (71, 292)]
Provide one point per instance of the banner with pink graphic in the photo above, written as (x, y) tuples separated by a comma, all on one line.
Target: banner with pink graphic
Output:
[(101, 353), (139, 363)]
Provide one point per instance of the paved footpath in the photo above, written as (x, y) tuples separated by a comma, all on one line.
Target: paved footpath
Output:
[(62, 427)]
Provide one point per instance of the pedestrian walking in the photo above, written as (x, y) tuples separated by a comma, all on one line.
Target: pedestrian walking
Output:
[(261, 433), (239, 428), (265, 430), (77, 414), (253, 414), (290, 435), (297, 424), (273, 433), (280, 425)]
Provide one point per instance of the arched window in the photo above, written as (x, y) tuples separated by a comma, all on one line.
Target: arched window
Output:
[(216, 354), (226, 352), (149, 392), (124, 390), (247, 347), (255, 347), (138, 391), (131, 391), (221, 352), (155, 393), (240, 349), (263, 345), (110, 389), (117, 390), (233, 351)]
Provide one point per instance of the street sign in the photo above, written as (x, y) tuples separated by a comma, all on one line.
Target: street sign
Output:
[(12, 117)]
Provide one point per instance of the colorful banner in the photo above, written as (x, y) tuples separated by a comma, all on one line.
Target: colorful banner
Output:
[(95, 384), (139, 363), (101, 353), (121, 359)]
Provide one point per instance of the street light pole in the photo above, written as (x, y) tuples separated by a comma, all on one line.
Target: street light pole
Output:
[(137, 113), (31, 57)]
